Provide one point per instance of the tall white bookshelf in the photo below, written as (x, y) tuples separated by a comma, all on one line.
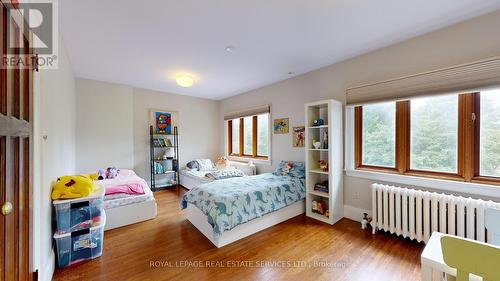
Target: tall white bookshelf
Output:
[(333, 200)]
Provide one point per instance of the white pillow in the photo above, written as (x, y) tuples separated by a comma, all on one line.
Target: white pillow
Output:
[(205, 165)]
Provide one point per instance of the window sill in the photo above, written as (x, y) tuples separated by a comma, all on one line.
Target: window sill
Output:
[(248, 159), (431, 183)]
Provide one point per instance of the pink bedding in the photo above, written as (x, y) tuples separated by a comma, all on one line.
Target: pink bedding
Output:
[(127, 182)]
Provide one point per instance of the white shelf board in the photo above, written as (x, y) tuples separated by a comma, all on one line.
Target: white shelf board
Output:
[(318, 149), (319, 193), (165, 173), (318, 127), (319, 171), (319, 217)]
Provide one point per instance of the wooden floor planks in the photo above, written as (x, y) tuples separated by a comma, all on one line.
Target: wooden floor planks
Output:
[(298, 249)]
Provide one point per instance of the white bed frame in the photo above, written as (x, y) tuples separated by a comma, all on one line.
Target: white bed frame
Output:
[(200, 221), (130, 214)]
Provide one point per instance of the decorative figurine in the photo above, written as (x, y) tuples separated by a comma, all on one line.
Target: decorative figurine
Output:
[(365, 221), (323, 165), (318, 122), (325, 140), (316, 144)]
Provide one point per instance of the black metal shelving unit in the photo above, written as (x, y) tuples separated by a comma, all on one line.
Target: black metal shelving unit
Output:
[(162, 176)]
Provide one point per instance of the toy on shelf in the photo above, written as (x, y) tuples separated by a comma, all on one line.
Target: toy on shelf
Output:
[(323, 165), (325, 140), (318, 122), (320, 207), (316, 144)]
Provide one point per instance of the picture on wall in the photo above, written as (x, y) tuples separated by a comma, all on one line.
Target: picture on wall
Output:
[(163, 121), (298, 135), (281, 126)]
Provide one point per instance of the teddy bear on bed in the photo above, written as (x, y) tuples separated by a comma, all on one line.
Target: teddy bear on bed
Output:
[(222, 163), (286, 170), (109, 173)]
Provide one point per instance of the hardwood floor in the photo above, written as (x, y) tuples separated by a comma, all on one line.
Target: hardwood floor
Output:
[(170, 248)]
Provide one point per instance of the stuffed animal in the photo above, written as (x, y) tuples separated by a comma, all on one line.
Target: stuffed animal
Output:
[(222, 162), (318, 122), (316, 144), (365, 221), (69, 187), (112, 172), (323, 165), (286, 170)]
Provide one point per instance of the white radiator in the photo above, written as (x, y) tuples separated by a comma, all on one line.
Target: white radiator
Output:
[(416, 213)]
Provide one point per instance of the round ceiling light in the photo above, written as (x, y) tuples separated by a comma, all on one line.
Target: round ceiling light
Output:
[(184, 80)]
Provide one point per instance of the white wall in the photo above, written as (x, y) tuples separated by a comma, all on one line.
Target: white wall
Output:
[(465, 42), (198, 126), (55, 96), (113, 126), (104, 135)]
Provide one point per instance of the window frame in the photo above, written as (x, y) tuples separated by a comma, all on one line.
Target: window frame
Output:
[(241, 153), (468, 146)]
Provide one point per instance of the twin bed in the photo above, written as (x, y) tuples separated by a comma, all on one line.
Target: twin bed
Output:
[(230, 209), (223, 210), (191, 178), (128, 200)]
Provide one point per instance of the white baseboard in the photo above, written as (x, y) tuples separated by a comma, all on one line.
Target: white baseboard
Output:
[(49, 268), (355, 213)]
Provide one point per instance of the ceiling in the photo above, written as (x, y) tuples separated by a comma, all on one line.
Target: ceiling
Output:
[(146, 43)]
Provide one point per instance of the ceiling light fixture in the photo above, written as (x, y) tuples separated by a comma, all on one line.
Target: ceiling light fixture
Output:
[(229, 49), (184, 80)]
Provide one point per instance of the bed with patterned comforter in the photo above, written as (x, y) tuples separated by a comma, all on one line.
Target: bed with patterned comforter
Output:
[(230, 202)]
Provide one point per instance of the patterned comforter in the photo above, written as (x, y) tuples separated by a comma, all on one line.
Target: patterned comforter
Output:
[(231, 202)]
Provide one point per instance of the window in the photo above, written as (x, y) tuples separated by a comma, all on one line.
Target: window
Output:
[(249, 136), (235, 136), (434, 134), (490, 134), (379, 135), (263, 134), (454, 137)]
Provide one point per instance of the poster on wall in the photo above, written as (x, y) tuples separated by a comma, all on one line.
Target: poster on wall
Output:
[(163, 121), (281, 126), (298, 136)]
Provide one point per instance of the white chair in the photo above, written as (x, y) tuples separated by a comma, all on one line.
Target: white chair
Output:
[(492, 223)]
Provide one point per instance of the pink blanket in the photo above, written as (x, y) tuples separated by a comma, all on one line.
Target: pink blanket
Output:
[(127, 182)]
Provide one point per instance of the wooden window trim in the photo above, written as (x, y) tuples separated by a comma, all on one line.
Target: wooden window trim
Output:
[(468, 146), (241, 144), (254, 136), (403, 136), (358, 137), (230, 137)]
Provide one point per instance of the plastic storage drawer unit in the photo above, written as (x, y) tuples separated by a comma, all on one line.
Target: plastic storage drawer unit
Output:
[(80, 245), (81, 213)]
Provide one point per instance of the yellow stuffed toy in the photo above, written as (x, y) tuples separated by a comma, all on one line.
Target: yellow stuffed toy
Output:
[(70, 187)]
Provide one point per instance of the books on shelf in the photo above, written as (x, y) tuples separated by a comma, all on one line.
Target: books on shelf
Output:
[(162, 143), (322, 187)]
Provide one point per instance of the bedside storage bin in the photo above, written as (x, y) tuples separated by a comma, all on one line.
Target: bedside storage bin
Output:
[(80, 213), (81, 245)]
